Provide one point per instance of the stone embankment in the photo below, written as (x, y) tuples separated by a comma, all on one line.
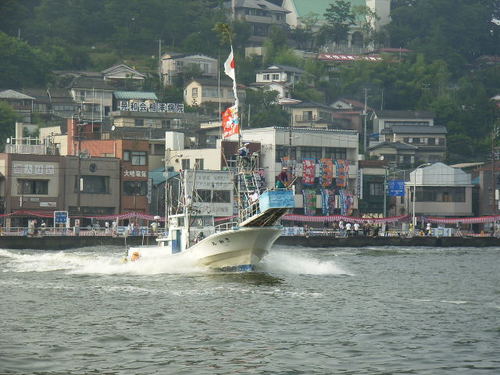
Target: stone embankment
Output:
[(72, 242)]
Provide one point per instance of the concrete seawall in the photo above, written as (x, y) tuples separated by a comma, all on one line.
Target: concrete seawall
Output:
[(71, 242)]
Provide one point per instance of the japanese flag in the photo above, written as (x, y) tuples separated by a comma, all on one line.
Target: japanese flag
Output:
[(230, 65)]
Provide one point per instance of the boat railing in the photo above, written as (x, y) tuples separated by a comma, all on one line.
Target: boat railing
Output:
[(225, 226)]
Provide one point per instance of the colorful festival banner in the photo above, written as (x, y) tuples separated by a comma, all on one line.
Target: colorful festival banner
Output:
[(230, 122), (342, 173), (309, 201), (326, 173), (325, 201), (346, 201), (308, 171)]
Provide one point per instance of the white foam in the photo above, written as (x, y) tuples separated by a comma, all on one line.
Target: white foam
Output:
[(93, 263), (281, 261)]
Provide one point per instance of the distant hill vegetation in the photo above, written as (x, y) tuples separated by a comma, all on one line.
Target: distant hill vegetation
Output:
[(447, 73)]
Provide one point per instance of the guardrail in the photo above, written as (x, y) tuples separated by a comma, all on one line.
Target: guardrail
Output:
[(82, 232)]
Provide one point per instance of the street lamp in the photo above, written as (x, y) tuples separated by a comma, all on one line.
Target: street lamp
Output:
[(414, 218)]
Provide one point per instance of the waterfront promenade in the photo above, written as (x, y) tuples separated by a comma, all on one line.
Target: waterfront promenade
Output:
[(50, 239)]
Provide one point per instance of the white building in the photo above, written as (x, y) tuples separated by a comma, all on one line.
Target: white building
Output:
[(174, 64), (305, 143), (441, 191)]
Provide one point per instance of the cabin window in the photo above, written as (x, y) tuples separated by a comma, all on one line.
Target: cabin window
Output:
[(222, 196)]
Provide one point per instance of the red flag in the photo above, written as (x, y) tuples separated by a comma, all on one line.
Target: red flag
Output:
[(230, 122)]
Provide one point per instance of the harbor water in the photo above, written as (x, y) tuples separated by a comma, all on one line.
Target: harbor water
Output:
[(380, 310)]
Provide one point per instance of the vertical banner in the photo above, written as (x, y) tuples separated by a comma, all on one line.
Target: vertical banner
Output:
[(309, 202), (342, 173), (230, 122), (346, 201), (359, 184), (308, 171), (326, 174), (325, 202)]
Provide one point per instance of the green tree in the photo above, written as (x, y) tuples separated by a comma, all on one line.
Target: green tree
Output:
[(264, 109), (338, 19), (22, 65), (8, 118)]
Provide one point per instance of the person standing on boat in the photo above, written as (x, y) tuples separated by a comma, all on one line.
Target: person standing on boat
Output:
[(283, 176)]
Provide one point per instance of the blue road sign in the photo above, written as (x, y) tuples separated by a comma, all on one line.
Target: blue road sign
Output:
[(60, 217), (396, 188)]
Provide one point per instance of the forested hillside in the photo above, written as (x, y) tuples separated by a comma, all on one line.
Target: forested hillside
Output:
[(447, 72)]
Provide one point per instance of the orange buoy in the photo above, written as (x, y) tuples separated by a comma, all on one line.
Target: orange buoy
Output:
[(135, 256)]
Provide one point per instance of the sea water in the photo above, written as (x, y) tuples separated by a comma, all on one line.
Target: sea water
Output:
[(303, 311)]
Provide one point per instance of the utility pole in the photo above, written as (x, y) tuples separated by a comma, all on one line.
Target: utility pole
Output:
[(365, 115), (159, 61)]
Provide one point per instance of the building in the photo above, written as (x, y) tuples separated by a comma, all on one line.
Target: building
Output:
[(42, 183), (312, 115), (175, 64), (373, 175), (386, 119), (440, 191), (280, 78), (21, 103), (350, 114), (396, 154), (487, 178), (300, 10), (329, 152), (429, 141), (133, 154), (202, 91), (261, 16)]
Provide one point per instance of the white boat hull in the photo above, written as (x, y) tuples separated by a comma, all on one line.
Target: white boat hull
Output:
[(242, 247)]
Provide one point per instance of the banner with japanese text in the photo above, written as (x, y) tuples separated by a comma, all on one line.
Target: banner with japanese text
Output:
[(308, 171), (326, 172)]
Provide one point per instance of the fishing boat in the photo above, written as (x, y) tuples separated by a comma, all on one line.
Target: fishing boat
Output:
[(238, 244)]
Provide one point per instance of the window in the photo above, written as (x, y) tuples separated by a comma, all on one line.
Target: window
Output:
[(336, 153), (194, 92), (136, 157), (158, 149), (266, 77), (203, 195), (311, 152), (282, 152), (431, 141), (198, 163), (222, 196), (126, 155), (32, 187), (406, 140), (93, 184), (213, 196), (441, 141), (135, 188), (139, 122), (376, 189), (440, 194), (186, 164), (275, 76), (210, 92)]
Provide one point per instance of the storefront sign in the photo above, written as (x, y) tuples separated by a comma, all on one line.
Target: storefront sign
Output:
[(135, 173), (150, 107), (33, 169)]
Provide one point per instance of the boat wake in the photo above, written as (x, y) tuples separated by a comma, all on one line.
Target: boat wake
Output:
[(91, 262), (285, 262), (112, 263)]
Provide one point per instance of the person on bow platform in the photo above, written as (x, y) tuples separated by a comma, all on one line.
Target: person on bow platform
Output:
[(283, 177)]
